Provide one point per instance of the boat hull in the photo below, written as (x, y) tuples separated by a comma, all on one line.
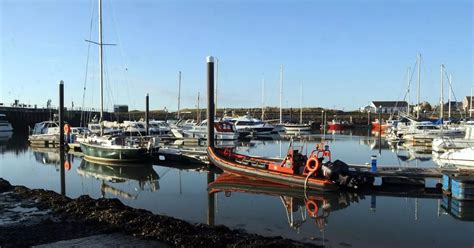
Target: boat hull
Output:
[(297, 181), (100, 153)]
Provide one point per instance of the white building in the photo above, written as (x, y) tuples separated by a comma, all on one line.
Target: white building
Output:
[(387, 106)]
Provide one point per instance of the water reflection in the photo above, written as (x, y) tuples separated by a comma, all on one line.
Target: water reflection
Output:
[(13, 142), (144, 175), (299, 205)]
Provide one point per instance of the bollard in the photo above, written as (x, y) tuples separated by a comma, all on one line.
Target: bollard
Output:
[(210, 101), (373, 163)]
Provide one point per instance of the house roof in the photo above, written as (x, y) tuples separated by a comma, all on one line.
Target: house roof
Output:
[(390, 104)]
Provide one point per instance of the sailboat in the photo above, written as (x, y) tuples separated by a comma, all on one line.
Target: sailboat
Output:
[(114, 148), (298, 128)]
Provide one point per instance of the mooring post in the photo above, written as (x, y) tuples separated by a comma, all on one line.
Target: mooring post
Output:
[(210, 101), (61, 136), (380, 129), (147, 114), (211, 199)]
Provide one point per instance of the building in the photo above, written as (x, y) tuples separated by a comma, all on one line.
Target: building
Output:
[(120, 108), (465, 103), (388, 106), (455, 106)]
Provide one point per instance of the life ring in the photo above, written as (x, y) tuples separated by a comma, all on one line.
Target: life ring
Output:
[(67, 165), (67, 128), (312, 208), (312, 164)]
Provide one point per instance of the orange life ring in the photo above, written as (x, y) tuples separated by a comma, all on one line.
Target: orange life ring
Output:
[(312, 164), (312, 208), (67, 165), (67, 128)]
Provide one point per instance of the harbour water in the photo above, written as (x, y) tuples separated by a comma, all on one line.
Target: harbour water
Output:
[(181, 191)]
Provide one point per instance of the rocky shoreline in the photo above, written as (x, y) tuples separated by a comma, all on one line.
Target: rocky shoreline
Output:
[(36, 216)]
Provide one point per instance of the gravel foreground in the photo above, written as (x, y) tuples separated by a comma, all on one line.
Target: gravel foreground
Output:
[(32, 217)]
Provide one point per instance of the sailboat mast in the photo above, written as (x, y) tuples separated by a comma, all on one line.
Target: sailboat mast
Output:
[(263, 99), (281, 93), (301, 103), (408, 83), (101, 65), (470, 104), (215, 96), (441, 107), (179, 93), (419, 86), (449, 96), (198, 117)]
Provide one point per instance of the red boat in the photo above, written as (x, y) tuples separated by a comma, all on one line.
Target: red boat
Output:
[(296, 170), (313, 201), (376, 125), (338, 125)]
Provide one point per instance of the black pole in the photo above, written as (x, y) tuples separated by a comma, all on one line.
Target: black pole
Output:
[(147, 114), (380, 130), (210, 200), (210, 101), (61, 136)]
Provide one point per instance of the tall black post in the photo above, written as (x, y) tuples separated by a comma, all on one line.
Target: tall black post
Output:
[(61, 137), (211, 200), (380, 130), (147, 114), (210, 101)]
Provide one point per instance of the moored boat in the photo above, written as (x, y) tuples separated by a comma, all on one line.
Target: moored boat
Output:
[(5, 126), (118, 148), (295, 170)]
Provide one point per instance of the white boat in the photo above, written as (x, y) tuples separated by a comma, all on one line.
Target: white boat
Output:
[(223, 131), (159, 128), (249, 125), (296, 128), (44, 131), (442, 144), (5, 126), (134, 128), (460, 158), (94, 128), (427, 131)]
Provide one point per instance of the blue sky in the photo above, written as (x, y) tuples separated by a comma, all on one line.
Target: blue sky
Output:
[(344, 53)]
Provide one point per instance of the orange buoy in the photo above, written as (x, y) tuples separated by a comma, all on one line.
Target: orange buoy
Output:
[(67, 165), (312, 208), (312, 164), (67, 128)]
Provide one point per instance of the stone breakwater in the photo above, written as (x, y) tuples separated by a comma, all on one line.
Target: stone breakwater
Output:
[(37, 216)]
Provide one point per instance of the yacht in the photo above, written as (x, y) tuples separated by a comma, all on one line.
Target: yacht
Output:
[(160, 128), (46, 131), (223, 130), (460, 158), (427, 131), (249, 125), (5, 126), (442, 144)]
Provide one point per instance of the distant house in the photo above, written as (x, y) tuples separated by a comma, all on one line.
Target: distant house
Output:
[(455, 106), (465, 103), (388, 106)]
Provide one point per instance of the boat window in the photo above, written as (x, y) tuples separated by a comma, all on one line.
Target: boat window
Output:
[(3, 118)]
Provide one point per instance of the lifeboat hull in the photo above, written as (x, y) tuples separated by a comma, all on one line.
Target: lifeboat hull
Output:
[(289, 180)]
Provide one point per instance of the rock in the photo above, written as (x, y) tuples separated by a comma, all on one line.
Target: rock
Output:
[(5, 185)]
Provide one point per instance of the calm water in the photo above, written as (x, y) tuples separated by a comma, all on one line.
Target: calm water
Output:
[(347, 219)]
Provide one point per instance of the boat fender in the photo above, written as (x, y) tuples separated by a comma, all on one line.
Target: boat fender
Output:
[(67, 165), (312, 208), (67, 128), (313, 164)]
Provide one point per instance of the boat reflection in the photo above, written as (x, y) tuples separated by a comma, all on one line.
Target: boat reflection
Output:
[(46, 155), (299, 205), (461, 210), (143, 174)]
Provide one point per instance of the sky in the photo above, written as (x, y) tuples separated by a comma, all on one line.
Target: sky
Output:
[(342, 53)]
